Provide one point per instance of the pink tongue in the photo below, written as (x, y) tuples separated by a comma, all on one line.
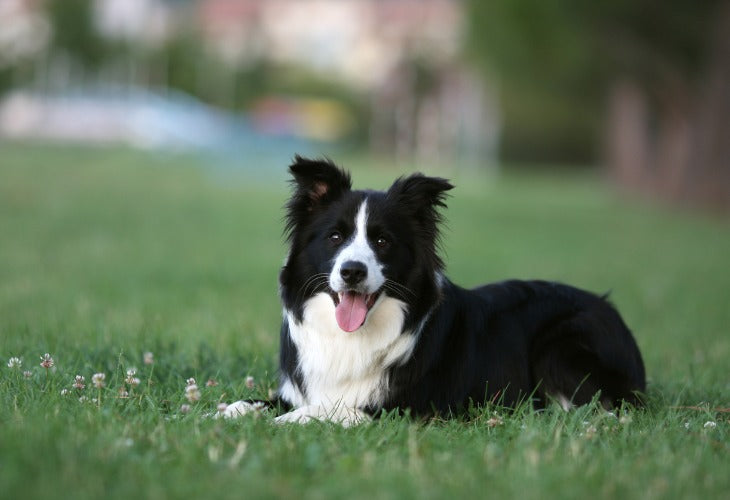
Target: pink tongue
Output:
[(351, 311)]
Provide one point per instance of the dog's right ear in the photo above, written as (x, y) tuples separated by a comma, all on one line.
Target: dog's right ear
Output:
[(317, 182)]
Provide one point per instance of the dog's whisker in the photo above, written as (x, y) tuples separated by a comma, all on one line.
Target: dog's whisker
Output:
[(399, 285), (397, 292), (314, 277), (313, 282), (319, 285), (395, 285), (309, 282), (314, 285)]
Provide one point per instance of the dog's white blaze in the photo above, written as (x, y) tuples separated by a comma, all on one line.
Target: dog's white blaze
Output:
[(359, 250), (347, 370)]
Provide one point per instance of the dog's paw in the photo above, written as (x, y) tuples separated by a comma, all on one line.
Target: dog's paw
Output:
[(241, 408), (346, 417), (298, 416)]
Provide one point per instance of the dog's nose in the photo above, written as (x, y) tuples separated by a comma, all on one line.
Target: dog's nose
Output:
[(353, 272)]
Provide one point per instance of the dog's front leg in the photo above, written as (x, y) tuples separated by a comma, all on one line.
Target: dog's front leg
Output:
[(344, 416)]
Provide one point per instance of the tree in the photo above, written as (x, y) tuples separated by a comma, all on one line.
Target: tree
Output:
[(72, 24), (646, 81)]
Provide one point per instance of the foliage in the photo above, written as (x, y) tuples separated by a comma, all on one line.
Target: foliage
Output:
[(73, 31), (108, 254), (568, 53)]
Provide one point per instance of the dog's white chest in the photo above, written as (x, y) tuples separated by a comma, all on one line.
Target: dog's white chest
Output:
[(346, 369)]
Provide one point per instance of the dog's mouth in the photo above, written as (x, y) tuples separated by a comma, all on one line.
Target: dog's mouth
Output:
[(351, 308)]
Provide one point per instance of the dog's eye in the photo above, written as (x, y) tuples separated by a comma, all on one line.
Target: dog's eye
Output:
[(335, 238), (381, 242)]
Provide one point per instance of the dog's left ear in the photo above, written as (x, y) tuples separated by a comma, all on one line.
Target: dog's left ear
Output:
[(423, 196), (421, 193), (317, 181)]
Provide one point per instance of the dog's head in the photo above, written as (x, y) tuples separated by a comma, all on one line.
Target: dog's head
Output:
[(357, 246)]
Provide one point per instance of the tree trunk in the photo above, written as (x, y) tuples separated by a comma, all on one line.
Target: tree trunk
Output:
[(627, 141), (678, 149), (710, 182)]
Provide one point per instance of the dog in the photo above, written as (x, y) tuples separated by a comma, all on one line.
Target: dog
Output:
[(371, 322)]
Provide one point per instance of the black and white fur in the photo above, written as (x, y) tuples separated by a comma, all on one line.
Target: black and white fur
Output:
[(426, 344)]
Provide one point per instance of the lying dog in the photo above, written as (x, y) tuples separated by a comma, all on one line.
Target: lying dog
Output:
[(371, 323)]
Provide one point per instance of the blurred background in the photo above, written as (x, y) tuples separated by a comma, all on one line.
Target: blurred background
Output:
[(143, 154), (144, 145), (640, 88)]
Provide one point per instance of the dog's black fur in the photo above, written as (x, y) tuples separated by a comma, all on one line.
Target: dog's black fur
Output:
[(519, 339), (505, 342)]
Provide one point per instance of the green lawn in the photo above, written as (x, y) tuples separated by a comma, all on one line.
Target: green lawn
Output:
[(108, 254)]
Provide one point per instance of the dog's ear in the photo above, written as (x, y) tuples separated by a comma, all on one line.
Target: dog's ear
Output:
[(424, 195), (317, 182)]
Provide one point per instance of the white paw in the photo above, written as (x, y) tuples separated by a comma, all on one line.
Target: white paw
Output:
[(346, 417), (240, 408), (298, 416)]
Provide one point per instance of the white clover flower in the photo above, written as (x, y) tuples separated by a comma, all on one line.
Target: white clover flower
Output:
[(192, 393), (211, 383), (710, 424), (494, 422), (47, 361), (131, 379), (126, 442), (148, 358), (123, 393), (190, 381), (79, 382), (250, 382), (98, 380), (27, 373), (15, 362), (64, 392), (185, 408)]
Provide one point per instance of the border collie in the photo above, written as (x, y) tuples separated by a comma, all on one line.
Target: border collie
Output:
[(371, 323)]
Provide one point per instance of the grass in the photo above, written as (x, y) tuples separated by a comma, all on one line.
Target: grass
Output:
[(108, 254)]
